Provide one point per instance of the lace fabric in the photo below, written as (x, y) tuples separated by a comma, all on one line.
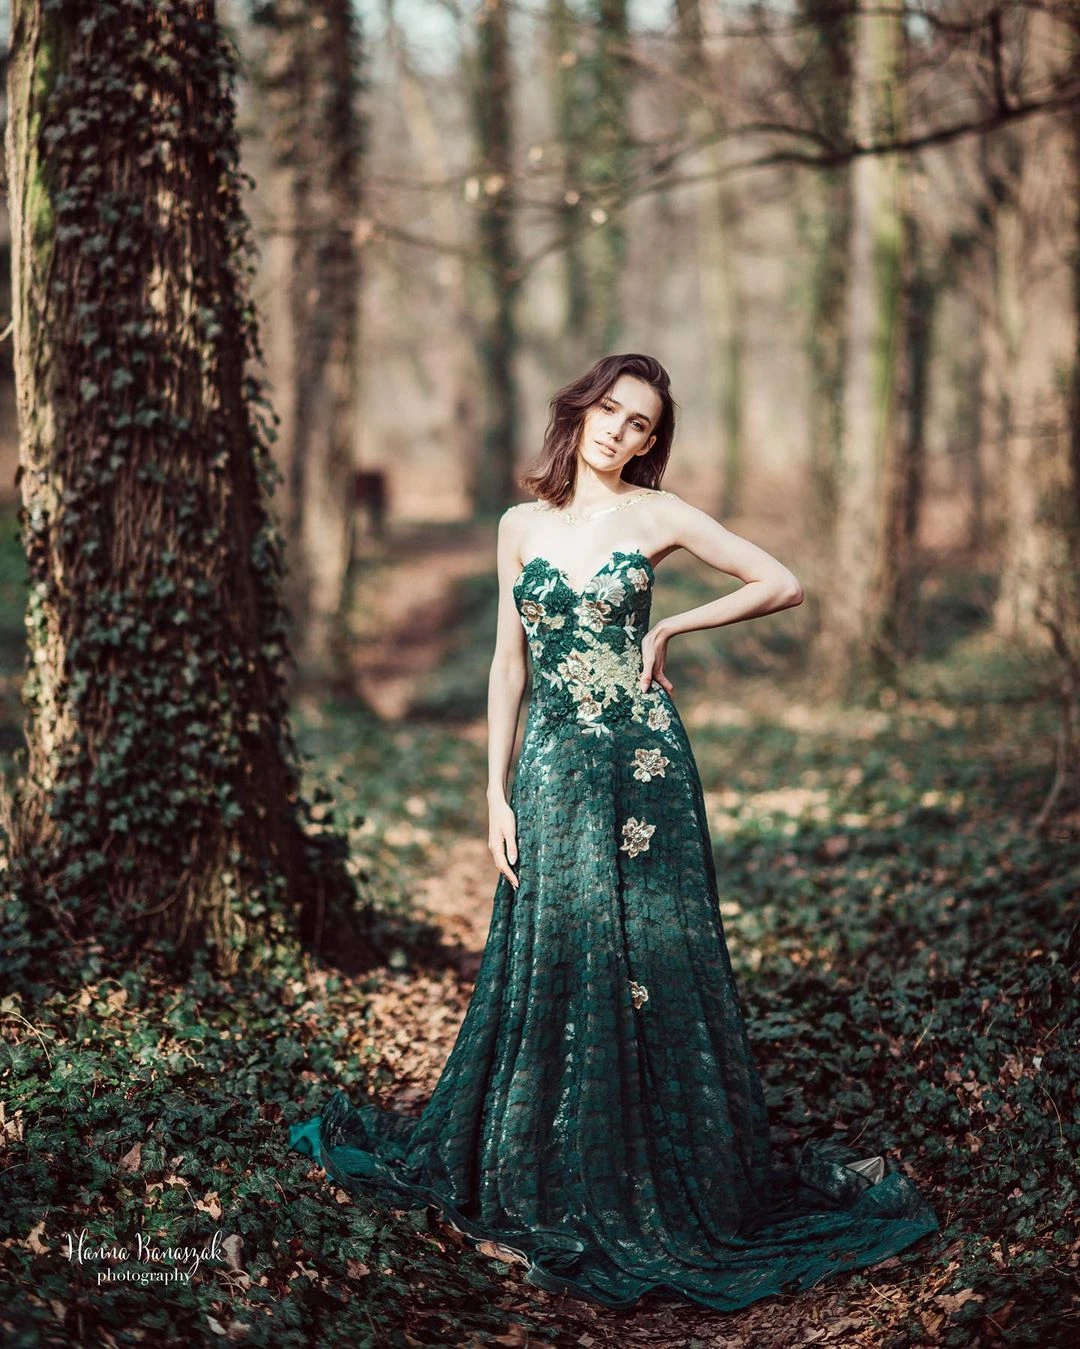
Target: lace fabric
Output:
[(600, 1114)]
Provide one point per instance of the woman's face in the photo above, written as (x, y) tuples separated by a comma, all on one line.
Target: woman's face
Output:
[(620, 426)]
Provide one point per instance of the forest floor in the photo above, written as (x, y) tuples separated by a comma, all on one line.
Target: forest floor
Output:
[(135, 1103)]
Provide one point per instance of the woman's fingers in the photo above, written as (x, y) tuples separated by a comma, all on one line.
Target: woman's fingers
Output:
[(498, 851)]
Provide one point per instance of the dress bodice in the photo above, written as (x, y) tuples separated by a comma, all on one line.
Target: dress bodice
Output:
[(586, 644)]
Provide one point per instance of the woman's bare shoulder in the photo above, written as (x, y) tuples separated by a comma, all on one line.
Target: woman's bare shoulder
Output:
[(515, 516)]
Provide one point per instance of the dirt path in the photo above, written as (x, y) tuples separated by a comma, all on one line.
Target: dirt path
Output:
[(400, 629)]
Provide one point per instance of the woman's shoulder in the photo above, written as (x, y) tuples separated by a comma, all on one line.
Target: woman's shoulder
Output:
[(513, 521)]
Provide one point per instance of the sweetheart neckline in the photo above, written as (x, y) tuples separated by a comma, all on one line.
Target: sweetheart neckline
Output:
[(578, 593)]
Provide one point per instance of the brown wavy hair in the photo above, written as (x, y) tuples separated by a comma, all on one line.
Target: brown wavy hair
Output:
[(552, 478)]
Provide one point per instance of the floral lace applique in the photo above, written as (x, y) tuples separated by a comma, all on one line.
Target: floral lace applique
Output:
[(638, 993), (649, 764), (636, 835), (593, 614), (659, 718)]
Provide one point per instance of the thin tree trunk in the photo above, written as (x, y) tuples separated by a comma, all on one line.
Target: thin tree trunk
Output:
[(605, 166), (824, 223), (496, 281), (997, 302), (310, 79), (852, 600), (1041, 557), (719, 275), (161, 785), (893, 638), (592, 81), (455, 371), (570, 130)]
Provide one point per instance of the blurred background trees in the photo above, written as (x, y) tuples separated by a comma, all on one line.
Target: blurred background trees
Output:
[(849, 231)]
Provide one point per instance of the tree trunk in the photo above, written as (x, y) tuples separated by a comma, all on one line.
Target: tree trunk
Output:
[(719, 276), (824, 223), (997, 303), (309, 80), (1042, 484), (454, 373), (496, 280), (570, 108), (591, 116), (161, 788), (893, 638), (605, 167), (852, 612)]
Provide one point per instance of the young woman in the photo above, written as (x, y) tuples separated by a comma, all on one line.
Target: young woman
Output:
[(600, 1115)]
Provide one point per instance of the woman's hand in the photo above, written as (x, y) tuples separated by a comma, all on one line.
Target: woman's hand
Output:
[(653, 655), (502, 838)]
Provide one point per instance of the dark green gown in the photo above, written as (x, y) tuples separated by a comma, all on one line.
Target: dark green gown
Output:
[(600, 1112)]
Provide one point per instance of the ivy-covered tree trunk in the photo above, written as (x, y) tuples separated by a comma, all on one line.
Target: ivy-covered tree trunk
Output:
[(309, 80), (160, 794)]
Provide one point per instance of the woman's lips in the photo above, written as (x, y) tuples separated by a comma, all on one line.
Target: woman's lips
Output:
[(606, 448)]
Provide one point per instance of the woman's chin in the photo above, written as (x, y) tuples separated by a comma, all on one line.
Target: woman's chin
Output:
[(603, 463)]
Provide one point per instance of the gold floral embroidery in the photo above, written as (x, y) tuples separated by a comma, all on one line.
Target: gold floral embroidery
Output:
[(649, 764), (636, 835), (595, 676), (574, 668), (587, 706), (593, 614), (638, 993), (639, 577), (532, 612), (659, 718)]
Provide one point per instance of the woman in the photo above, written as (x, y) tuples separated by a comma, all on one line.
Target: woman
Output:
[(600, 1114)]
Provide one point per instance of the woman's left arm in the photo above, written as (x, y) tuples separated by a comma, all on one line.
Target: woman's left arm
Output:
[(768, 584)]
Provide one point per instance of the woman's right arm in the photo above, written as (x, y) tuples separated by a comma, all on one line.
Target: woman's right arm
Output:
[(506, 685)]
